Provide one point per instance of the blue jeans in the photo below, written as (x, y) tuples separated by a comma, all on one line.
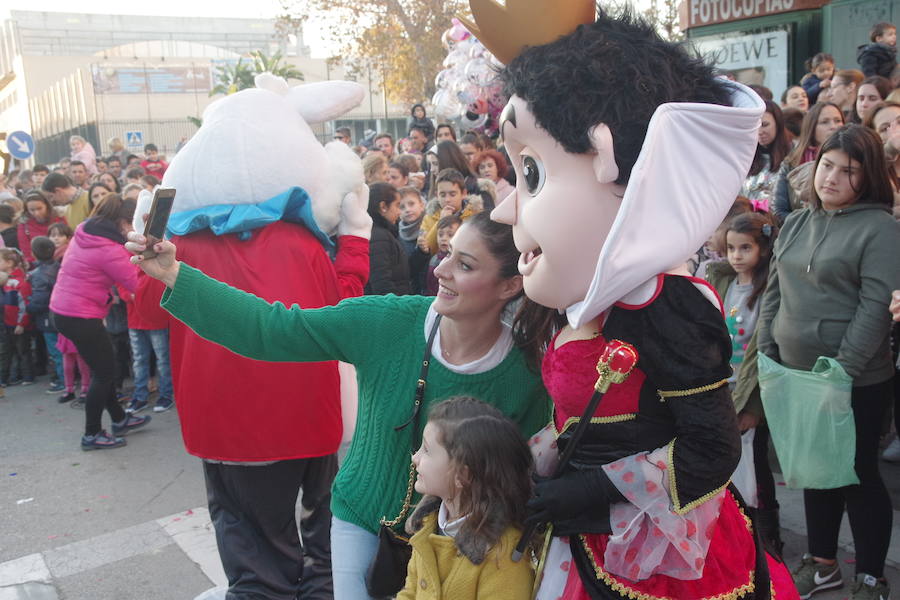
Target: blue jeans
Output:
[(55, 354), (142, 342), (352, 549)]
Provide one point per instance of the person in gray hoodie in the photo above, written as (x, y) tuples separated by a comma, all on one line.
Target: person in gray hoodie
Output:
[(834, 266)]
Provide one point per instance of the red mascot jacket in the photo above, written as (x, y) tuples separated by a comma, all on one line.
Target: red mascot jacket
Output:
[(241, 410)]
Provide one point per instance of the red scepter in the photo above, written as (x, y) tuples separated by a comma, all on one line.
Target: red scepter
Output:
[(615, 365)]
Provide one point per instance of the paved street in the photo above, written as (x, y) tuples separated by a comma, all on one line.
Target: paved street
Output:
[(131, 523)]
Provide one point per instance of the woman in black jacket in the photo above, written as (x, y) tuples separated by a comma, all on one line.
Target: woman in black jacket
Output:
[(388, 265)]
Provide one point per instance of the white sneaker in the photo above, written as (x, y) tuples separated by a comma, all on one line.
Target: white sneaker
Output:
[(892, 452)]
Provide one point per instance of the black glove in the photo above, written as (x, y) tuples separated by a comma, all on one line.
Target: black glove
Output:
[(570, 496)]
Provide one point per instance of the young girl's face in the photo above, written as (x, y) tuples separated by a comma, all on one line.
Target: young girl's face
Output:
[(866, 99), (37, 210), (434, 469), (743, 252), (7, 266), (57, 238), (824, 71), (411, 208), (97, 194), (767, 129), (443, 237), (837, 178), (797, 98), (830, 120)]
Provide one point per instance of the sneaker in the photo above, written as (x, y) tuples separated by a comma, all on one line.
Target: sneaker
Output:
[(163, 404), (129, 423), (892, 452), (136, 406), (55, 388), (101, 441), (867, 587), (67, 397), (27, 382), (78, 402), (811, 577)]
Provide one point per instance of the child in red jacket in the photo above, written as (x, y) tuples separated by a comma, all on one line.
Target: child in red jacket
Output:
[(15, 350)]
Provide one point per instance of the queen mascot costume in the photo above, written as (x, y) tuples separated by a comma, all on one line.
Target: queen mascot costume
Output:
[(628, 153)]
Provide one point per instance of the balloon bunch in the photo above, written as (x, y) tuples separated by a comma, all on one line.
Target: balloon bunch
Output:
[(469, 94)]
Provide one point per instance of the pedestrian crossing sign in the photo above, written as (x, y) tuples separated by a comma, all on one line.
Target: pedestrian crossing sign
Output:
[(134, 139)]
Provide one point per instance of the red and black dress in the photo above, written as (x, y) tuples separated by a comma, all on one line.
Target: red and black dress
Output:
[(662, 447)]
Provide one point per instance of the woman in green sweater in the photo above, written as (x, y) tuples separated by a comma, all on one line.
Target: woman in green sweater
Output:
[(474, 353)]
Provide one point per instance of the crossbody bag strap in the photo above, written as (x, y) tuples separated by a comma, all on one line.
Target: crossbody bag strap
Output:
[(413, 420)]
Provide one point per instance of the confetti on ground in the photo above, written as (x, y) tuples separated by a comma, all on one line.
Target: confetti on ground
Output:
[(13, 474), (24, 500), (189, 513)]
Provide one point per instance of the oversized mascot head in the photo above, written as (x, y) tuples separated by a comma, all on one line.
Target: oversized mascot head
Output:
[(257, 144), (628, 151)]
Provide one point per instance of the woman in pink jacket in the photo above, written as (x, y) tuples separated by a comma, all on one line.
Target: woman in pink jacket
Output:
[(95, 261)]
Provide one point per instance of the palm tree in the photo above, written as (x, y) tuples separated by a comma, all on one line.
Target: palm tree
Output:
[(272, 64), (233, 78)]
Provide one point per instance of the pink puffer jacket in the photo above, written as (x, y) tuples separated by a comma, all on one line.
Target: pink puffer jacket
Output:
[(95, 261)]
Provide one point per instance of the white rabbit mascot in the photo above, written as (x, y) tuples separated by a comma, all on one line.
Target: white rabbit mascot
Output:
[(258, 202)]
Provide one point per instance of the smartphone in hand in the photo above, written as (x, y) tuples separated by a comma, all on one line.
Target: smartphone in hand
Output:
[(158, 218)]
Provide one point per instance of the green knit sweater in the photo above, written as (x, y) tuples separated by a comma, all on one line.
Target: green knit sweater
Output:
[(384, 337)]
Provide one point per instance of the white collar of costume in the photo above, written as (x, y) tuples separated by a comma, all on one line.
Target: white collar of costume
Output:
[(689, 172)]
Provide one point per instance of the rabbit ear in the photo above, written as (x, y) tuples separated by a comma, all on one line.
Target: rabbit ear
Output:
[(325, 100), (273, 83)]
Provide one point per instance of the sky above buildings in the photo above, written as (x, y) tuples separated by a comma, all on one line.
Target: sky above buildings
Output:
[(255, 9)]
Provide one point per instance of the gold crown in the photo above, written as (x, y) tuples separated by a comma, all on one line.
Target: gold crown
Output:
[(506, 30)]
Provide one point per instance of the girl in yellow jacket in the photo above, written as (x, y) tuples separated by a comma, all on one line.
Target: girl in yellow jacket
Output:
[(474, 469)]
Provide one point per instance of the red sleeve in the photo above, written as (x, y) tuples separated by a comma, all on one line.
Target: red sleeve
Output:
[(352, 265), (24, 243)]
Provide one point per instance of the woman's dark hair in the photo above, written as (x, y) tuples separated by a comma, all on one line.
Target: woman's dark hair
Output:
[(117, 187), (488, 452), (818, 59), (567, 83), (864, 146), (499, 160), (793, 120), (114, 208), (451, 157), (446, 126), (62, 228), (412, 111), (761, 226), (36, 196), (778, 148), (378, 193), (151, 180), (807, 136), (499, 240)]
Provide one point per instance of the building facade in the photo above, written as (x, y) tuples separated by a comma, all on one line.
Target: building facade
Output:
[(141, 78)]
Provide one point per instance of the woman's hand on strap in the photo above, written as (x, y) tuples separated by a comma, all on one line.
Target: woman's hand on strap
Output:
[(163, 266)]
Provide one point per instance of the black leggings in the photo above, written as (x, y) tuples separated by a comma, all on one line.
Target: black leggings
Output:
[(93, 344), (868, 504)]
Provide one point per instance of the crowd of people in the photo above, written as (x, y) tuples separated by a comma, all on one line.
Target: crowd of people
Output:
[(804, 266), (69, 288)]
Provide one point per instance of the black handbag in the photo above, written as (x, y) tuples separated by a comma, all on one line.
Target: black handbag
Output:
[(387, 571)]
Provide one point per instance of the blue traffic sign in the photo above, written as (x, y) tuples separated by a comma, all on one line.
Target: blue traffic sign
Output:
[(134, 139), (20, 144)]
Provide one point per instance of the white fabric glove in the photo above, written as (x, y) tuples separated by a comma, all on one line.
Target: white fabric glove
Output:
[(355, 219)]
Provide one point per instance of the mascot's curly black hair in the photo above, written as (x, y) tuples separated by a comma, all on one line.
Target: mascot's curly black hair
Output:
[(616, 71)]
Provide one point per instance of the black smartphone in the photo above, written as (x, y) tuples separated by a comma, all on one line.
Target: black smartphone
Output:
[(158, 218)]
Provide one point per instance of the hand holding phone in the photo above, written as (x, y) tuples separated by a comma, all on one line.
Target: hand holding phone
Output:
[(158, 218)]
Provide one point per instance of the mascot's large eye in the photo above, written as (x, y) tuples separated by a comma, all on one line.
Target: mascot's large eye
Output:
[(533, 172)]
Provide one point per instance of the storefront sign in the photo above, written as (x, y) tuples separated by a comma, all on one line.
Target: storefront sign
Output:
[(696, 13), (761, 58)]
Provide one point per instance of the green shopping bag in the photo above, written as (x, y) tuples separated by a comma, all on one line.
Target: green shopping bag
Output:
[(809, 415)]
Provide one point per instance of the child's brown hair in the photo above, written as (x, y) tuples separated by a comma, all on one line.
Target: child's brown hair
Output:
[(879, 29), (14, 256)]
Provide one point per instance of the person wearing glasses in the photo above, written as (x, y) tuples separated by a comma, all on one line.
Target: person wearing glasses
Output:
[(342, 134)]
